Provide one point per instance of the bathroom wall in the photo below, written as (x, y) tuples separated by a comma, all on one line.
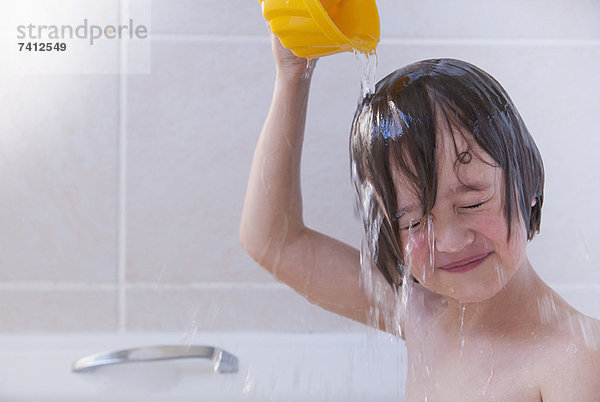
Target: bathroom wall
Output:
[(121, 195)]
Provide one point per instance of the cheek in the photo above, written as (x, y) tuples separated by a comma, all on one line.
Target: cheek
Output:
[(495, 227), (492, 227), (495, 230), (417, 250)]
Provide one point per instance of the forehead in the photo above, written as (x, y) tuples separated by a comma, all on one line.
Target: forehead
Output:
[(459, 156), (460, 161)]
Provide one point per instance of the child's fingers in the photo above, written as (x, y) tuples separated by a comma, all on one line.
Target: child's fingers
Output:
[(286, 61)]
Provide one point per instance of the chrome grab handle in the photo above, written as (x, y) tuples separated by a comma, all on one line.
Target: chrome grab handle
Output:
[(223, 361)]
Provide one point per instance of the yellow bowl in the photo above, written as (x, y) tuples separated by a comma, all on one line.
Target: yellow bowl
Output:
[(313, 28)]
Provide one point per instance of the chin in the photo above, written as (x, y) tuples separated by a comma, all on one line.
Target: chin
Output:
[(474, 297)]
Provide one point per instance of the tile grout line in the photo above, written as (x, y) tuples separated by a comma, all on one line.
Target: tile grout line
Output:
[(492, 42), (88, 286), (214, 38), (83, 286), (207, 286), (56, 286), (168, 37), (122, 182)]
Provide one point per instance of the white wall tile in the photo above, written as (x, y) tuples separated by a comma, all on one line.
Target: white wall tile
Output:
[(189, 157), (559, 19), (192, 128), (222, 17), (58, 311), (329, 196), (583, 298), (58, 146)]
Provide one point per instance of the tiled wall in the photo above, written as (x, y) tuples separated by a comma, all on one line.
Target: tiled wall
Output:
[(121, 196)]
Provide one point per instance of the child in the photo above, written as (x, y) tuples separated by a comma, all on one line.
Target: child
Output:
[(453, 184)]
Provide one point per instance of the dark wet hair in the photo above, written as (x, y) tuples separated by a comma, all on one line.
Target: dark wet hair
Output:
[(395, 128)]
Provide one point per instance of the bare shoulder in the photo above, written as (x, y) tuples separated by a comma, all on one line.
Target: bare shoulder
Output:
[(572, 364)]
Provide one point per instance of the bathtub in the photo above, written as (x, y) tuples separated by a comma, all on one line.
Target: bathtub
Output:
[(368, 366)]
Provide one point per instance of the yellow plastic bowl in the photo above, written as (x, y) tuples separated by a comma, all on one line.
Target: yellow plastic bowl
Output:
[(313, 28)]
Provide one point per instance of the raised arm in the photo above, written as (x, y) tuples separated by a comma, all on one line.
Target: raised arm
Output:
[(322, 269)]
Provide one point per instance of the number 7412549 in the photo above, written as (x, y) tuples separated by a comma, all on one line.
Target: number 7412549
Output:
[(42, 46)]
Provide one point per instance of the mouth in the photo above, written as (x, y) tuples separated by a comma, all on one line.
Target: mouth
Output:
[(466, 264)]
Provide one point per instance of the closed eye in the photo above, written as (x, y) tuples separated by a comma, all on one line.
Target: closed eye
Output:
[(411, 225), (474, 206)]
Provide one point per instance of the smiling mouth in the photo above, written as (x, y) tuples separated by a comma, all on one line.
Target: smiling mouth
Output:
[(465, 265)]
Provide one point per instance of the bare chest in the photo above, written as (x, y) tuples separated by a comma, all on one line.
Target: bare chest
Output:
[(468, 370)]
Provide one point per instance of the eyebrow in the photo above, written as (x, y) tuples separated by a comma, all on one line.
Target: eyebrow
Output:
[(460, 189), (468, 187), (403, 211)]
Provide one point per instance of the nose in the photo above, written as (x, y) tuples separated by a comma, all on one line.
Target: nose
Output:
[(450, 234)]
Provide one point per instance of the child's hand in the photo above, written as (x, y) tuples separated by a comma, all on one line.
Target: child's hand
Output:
[(288, 64)]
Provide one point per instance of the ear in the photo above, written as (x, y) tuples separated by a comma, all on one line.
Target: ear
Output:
[(533, 202)]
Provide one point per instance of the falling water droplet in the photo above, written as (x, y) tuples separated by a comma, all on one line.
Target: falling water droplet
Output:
[(160, 276), (249, 381), (584, 243), (462, 307), (431, 243), (310, 66), (500, 275), (190, 332), (547, 309)]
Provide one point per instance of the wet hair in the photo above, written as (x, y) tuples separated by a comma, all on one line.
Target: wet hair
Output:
[(395, 128)]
